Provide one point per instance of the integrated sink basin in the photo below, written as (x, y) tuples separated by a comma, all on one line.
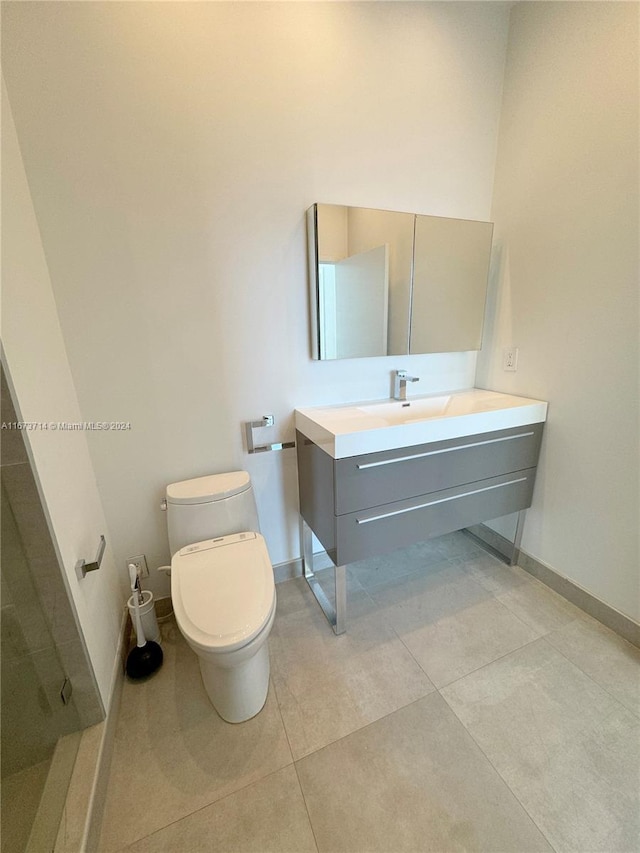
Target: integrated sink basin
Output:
[(369, 427), (418, 409)]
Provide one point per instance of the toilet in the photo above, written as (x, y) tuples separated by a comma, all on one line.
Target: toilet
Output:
[(222, 587)]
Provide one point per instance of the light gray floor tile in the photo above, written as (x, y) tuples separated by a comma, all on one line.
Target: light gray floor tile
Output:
[(540, 607), (607, 658), (266, 817), (494, 575), (567, 749), (326, 579), (457, 645), (413, 781), (21, 794), (450, 624), (456, 544), (173, 754), (152, 704), (384, 763), (441, 589), (382, 570), (328, 686), (292, 595)]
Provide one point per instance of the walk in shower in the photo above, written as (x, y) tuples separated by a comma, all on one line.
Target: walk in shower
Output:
[(49, 692)]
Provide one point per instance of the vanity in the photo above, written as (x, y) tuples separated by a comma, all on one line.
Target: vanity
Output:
[(382, 475)]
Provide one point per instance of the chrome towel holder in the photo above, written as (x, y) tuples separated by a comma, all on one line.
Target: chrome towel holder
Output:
[(82, 567), (252, 447)]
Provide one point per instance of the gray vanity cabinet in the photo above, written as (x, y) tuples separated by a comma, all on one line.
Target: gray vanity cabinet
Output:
[(362, 506)]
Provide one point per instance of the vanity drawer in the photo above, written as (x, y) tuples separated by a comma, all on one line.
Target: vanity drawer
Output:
[(369, 532), (375, 479)]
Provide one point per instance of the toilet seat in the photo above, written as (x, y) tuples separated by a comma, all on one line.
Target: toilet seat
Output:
[(223, 591)]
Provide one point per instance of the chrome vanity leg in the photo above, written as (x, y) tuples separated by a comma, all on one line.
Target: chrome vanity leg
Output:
[(515, 554), (340, 580), (306, 548), (337, 616)]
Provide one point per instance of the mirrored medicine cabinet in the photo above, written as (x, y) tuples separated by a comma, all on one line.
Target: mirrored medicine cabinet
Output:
[(389, 283)]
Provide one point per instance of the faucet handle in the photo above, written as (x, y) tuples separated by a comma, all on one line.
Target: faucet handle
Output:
[(404, 376)]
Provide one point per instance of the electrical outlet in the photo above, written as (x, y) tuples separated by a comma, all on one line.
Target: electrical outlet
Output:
[(140, 562), (510, 358)]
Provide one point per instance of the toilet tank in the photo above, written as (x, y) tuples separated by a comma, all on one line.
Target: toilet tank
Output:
[(212, 506)]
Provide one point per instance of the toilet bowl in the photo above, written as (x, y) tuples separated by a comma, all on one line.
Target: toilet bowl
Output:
[(224, 600)]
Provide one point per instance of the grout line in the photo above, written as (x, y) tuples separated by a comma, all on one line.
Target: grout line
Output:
[(515, 615), (363, 727), (304, 800), (208, 805), (489, 663), (490, 595), (459, 560), (284, 728), (242, 788), (499, 774), (633, 713), (415, 659)]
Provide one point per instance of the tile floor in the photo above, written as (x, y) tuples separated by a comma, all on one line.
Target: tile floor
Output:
[(467, 707), (21, 794)]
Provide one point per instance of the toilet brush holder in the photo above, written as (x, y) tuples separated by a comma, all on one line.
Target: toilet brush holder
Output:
[(147, 615)]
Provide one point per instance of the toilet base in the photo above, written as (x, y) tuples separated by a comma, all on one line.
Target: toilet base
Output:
[(238, 692)]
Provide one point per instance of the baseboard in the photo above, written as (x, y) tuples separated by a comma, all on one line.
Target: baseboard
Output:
[(573, 592), (82, 817), (293, 568)]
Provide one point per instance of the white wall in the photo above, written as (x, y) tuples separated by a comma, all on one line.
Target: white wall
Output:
[(172, 150), (566, 214), (37, 363)]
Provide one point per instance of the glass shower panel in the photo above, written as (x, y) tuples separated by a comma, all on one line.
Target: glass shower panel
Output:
[(47, 687), (33, 715), (33, 712)]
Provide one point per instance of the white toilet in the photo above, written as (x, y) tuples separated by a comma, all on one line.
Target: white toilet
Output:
[(222, 586)]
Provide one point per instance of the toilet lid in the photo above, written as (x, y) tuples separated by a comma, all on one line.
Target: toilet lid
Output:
[(215, 487), (223, 590)]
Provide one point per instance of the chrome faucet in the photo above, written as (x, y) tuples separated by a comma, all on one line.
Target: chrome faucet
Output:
[(400, 379)]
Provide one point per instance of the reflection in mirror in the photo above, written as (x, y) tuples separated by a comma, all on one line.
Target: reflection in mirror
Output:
[(390, 283), (361, 267), (353, 305)]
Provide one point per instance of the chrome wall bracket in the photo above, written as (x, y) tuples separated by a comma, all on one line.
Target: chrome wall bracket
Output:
[(252, 447), (82, 567)]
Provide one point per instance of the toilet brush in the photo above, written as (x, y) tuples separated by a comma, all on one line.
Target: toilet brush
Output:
[(146, 657)]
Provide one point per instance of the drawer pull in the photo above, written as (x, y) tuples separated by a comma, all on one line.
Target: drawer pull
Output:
[(440, 500), (443, 450)]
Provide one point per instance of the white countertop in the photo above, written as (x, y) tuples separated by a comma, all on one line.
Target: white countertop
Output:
[(367, 427)]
